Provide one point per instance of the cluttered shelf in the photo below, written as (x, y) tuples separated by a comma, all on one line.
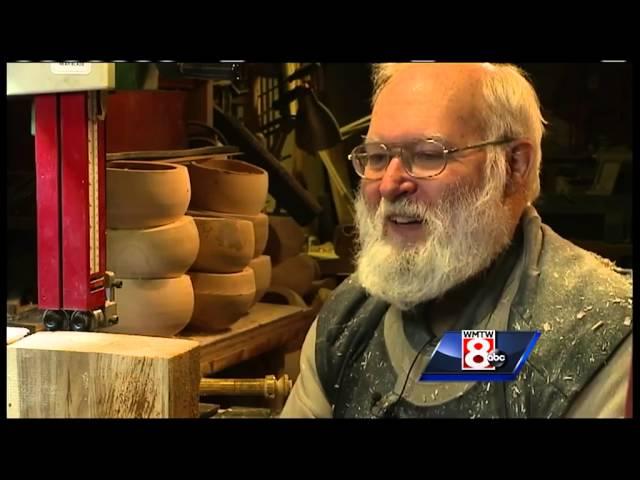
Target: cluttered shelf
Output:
[(264, 328)]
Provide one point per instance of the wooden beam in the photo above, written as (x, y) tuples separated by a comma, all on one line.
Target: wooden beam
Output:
[(101, 375)]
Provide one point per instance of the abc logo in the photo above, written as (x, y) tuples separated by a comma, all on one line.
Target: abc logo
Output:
[(497, 358)]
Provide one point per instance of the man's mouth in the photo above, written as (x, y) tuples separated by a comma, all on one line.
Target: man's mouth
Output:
[(398, 220)]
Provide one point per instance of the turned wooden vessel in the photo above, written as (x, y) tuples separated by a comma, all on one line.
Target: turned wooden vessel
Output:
[(260, 226), (226, 245), (221, 298), (261, 267), (286, 238), (228, 186), (167, 251), (145, 195), (158, 307)]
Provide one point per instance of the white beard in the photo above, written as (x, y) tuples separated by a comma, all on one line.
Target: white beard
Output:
[(464, 233)]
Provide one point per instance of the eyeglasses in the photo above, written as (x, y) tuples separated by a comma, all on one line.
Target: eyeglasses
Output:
[(425, 158)]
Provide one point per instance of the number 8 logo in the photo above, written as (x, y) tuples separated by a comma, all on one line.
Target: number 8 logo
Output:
[(479, 349)]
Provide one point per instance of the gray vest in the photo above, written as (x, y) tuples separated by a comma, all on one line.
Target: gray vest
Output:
[(560, 290)]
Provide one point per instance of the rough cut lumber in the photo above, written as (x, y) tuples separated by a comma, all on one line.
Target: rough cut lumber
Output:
[(102, 375)]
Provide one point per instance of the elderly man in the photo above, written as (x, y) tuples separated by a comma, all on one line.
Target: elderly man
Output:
[(449, 240)]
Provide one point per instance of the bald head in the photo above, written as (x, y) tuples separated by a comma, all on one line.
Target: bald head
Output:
[(426, 99), (444, 73)]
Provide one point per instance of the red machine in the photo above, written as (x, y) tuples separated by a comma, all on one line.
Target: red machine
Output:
[(74, 288), (70, 171)]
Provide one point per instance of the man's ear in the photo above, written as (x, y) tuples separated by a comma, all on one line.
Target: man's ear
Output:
[(519, 163)]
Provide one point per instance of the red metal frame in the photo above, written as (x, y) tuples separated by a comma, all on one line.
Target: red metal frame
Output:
[(48, 201), (62, 168)]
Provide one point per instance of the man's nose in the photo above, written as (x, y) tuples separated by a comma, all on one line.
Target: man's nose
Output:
[(396, 182)]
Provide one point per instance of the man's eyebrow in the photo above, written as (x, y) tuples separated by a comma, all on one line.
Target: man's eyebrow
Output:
[(432, 136)]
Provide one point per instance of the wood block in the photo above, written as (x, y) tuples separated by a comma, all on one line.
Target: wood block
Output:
[(102, 375)]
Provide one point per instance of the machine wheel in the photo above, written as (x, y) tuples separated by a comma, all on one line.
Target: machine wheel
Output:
[(55, 320), (82, 321)]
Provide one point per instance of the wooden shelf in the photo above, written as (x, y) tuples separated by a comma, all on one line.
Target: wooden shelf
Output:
[(265, 328)]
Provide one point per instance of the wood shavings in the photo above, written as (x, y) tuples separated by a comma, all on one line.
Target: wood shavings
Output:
[(597, 326), (546, 326), (567, 378), (627, 321), (580, 315)]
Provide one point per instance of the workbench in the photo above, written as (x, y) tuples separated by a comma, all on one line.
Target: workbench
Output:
[(266, 327)]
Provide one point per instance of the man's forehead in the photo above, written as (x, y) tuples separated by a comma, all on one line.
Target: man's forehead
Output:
[(426, 100), (434, 83)]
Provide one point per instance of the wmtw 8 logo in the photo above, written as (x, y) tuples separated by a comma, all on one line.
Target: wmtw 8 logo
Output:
[(479, 350)]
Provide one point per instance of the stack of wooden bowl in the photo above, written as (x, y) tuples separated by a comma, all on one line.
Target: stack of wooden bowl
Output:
[(151, 244), (230, 274)]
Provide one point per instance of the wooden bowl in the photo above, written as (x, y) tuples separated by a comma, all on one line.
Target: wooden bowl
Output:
[(145, 194), (167, 251), (260, 226), (226, 245), (159, 307), (228, 186), (261, 267), (296, 273), (286, 238), (221, 298)]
